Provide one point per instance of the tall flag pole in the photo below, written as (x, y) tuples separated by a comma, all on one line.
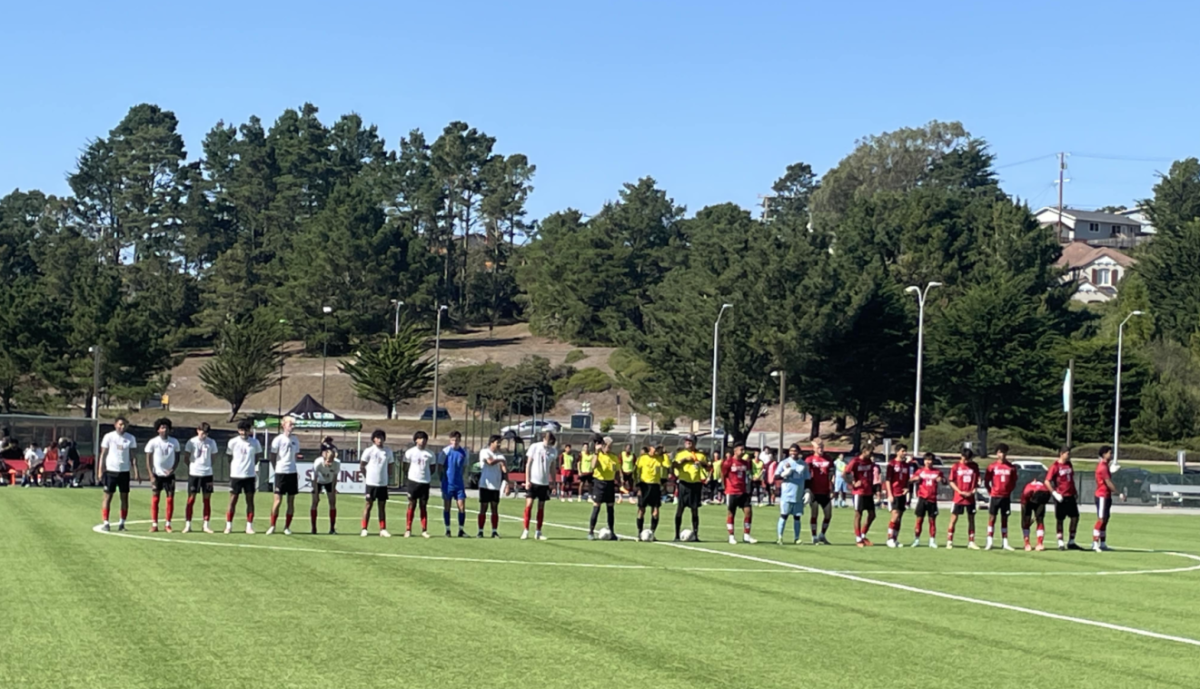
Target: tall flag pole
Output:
[(1069, 397)]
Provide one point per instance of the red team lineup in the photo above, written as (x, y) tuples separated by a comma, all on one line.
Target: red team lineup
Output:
[(905, 483)]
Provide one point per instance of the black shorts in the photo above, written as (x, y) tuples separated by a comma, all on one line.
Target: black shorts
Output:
[(488, 495), (1103, 507), (328, 488), (418, 491), (1035, 508), (604, 492), (736, 502), (379, 493), (115, 481), (960, 509), (538, 492), (287, 484), (237, 486), (201, 484), (690, 494), (900, 503), (1001, 506), (1067, 509), (161, 483), (926, 508), (649, 495), (585, 481), (864, 503), (822, 500)]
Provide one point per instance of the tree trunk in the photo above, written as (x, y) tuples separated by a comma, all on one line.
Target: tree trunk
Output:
[(234, 410), (815, 430), (839, 423), (391, 410)]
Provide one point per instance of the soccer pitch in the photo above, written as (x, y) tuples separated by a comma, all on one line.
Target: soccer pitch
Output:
[(87, 609)]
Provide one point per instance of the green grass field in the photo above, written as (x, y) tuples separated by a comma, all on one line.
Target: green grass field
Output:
[(85, 609)]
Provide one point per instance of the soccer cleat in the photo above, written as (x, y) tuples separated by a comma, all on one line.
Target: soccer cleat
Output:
[(539, 536), (169, 529), (1039, 547), (933, 544), (1095, 547), (860, 544), (270, 530), (383, 533), (779, 541), (408, 534), (916, 542), (1062, 547), (154, 528), (1008, 547), (591, 536), (121, 526), (207, 529), (732, 540), (891, 543), (1104, 548), (747, 538), (447, 533), (363, 533), (971, 545), (1073, 546), (867, 542), (495, 533), (988, 546), (798, 541), (462, 534), (822, 540), (250, 529), (525, 535), (333, 532), (1028, 548), (480, 534), (228, 529), (424, 534), (187, 528), (105, 527), (949, 545)]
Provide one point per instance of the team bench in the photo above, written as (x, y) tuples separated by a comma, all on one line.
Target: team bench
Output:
[(1177, 494)]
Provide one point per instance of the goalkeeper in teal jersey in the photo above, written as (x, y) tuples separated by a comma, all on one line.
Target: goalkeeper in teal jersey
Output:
[(793, 471)]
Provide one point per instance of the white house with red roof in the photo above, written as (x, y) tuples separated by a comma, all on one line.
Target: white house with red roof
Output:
[(1096, 269)]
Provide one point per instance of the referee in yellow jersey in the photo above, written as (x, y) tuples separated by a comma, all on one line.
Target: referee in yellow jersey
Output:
[(605, 468), (690, 471)]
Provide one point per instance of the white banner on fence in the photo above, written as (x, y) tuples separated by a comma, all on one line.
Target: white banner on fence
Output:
[(350, 480)]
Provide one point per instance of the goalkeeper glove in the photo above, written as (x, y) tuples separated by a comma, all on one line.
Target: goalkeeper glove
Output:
[(807, 497), (1057, 496)]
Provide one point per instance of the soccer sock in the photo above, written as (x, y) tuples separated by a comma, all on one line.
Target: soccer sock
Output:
[(104, 515), (779, 527), (312, 517), (1041, 535), (611, 524), (932, 528), (824, 526), (950, 535), (383, 525), (424, 519), (812, 524), (892, 530), (482, 519), (332, 518), (641, 522), (462, 519), (1025, 532), (287, 521), (678, 521), (541, 514), (446, 517), (729, 524), (746, 527), (124, 513), (154, 509), (796, 526), (408, 517), (495, 519), (971, 536), (991, 529), (1096, 530), (653, 523), (207, 508), (229, 519), (1060, 538), (592, 521), (191, 504), (274, 516), (364, 524), (249, 518), (1073, 529), (695, 523), (528, 510), (920, 523), (1103, 536), (170, 507)]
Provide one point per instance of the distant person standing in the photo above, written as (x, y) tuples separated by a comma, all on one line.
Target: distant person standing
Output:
[(68, 462), (896, 484), (1000, 480), (567, 479), (200, 453), (243, 473), (794, 493), (606, 473), (649, 475), (691, 468), (840, 487), (162, 456), (823, 473), (965, 477), (452, 465), (1104, 493), (587, 458), (420, 466), (35, 458), (285, 447), (115, 467), (928, 478), (627, 466), (491, 478), (540, 461), (325, 473), (860, 474), (737, 470), (1061, 479), (376, 463)]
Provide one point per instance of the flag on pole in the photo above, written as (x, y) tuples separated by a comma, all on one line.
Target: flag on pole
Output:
[(1066, 391)]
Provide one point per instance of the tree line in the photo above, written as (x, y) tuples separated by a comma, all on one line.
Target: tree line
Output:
[(250, 242)]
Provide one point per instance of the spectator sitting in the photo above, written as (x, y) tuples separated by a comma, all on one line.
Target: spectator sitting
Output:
[(10, 451), (34, 463), (68, 463)]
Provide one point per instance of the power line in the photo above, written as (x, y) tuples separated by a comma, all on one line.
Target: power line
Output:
[(1025, 162), (1127, 159)]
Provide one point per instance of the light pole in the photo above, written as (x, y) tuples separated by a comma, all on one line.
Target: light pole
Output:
[(324, 348), (1117, 401), (712, 422), (437, 363), (396, 327), (921, 294), (782, 376), (95, 351)]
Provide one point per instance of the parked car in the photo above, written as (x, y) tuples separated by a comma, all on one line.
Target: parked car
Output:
[(530, 428), (1029, 465), (442, 414), (1133, 482)]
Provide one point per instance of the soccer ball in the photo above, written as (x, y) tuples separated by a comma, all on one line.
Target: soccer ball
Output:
[(605, 534), (687, 535), (647, 535)]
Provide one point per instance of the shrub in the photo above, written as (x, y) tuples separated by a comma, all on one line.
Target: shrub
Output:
[(590, 380), (574, 356), (607, 424)]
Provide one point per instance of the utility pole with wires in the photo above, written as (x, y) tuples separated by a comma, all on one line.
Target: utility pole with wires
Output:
[(765, 202), (1062, 168)]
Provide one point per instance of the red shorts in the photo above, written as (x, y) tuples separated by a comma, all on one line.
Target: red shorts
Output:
[(567, 475)]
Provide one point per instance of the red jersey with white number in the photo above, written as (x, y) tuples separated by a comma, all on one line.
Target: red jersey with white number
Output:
[(863, 471), (898, 475), (1033, 488), (965, 475), (1061, 478), (927, 483), (1001, 478), (735, 471), (1102, 476), (820, 472)]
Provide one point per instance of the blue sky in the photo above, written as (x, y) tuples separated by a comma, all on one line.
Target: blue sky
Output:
[(712, 99)]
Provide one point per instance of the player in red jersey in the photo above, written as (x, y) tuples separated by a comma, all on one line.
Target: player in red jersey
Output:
[(861, 475), (1104, 493), (820, 483), (896, 484), (1033, 506), (964, 479), (928, 479), (1000, 480), (736, 470), (1061, 479)]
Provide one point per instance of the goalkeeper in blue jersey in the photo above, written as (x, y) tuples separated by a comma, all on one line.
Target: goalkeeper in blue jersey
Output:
[(793, 471)]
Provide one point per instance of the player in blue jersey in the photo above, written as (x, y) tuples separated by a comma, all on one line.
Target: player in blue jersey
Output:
[(793, 472), (452, 463)]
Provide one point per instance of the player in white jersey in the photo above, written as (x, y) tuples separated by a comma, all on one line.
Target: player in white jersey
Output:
[(491, 478), (200, 452), (162, 456), (325, 472), (242, 475), (420, 467), (541, 461), (285, 447), (114, 466), (376, 462)]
